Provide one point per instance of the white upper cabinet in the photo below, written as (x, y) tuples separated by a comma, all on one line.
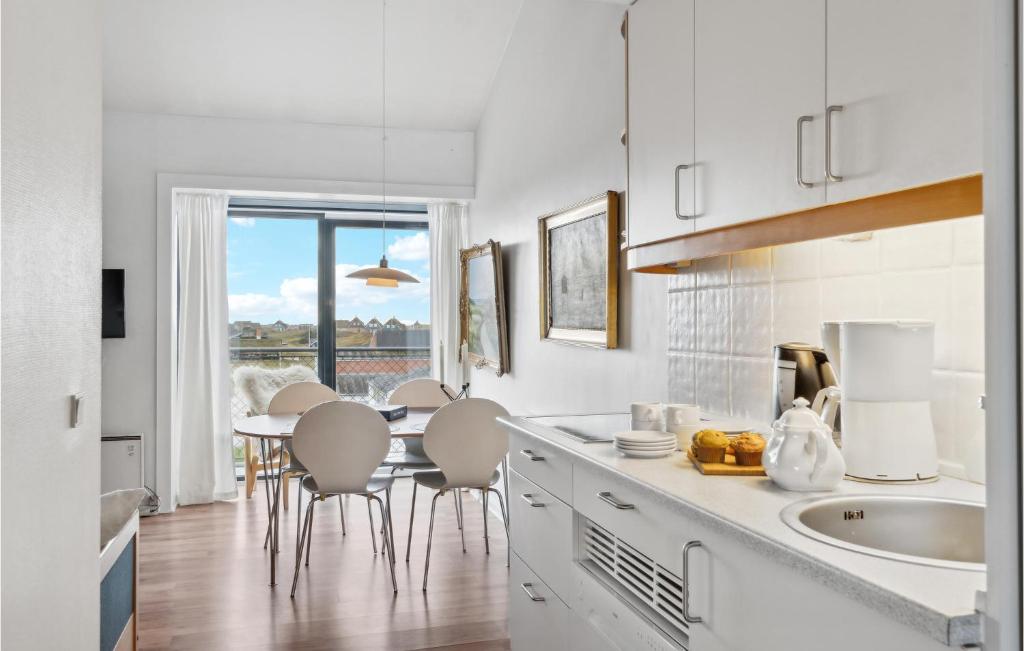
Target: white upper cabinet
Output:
[(907, 75), (759, 92), (741, 110), (660, 123)]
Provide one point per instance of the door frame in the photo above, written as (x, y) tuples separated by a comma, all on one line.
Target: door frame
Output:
[(1001, 604)]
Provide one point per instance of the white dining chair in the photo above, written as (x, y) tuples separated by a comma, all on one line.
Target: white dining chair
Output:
[(421, 393), (298, 398), (342, 444), (467, 444)]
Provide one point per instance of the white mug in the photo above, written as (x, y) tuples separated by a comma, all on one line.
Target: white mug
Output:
[(679, 417), (646, 416)]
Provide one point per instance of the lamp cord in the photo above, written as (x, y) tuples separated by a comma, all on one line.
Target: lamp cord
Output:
[(383, 129)]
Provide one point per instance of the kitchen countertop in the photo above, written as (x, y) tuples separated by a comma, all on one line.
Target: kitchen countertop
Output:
[(936, 601)]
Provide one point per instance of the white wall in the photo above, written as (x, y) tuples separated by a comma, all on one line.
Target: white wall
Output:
[(549, 137), (726, 313), (138, 146), (51, 250)]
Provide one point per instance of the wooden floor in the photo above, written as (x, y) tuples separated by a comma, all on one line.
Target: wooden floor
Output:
[(203, 580)]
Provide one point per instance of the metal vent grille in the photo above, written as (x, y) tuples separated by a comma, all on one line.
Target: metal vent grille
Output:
[(646, 580)]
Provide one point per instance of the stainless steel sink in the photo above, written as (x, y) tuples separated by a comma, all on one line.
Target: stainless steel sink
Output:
[(923, 530)]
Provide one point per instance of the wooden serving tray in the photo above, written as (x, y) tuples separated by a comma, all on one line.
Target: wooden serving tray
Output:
[(727, 468)]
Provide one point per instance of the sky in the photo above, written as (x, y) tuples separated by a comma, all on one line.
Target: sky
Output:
[(272, 272)]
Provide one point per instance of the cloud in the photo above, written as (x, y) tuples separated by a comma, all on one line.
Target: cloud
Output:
[(410, 247), (247, 222), (297, 298)]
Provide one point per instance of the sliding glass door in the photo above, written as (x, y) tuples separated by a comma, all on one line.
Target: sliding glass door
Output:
[(291, 304), (382, 334)]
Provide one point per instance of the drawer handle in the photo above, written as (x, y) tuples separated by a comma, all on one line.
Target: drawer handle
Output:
[(531, 455), (528, 498), (610, 499), (528, 589), (690, 619)]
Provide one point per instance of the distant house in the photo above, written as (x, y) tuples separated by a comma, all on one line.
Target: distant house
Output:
[(244, 330), (374, 324), (278, 326), (356, 322), (419, 326), (394, 324)]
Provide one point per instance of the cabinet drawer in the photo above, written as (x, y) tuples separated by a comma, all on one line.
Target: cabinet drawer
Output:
[(632, 515), (541, 532), (543, 464), (537, 619)]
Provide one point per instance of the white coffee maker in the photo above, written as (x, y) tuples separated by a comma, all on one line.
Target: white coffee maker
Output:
[(885, 369)]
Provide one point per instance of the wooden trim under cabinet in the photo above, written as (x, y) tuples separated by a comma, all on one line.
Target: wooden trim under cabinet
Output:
[(959, 197)]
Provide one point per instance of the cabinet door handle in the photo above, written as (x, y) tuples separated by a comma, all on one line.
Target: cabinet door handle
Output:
[(528, 498), (606, 496), (800, 121), (531, 455), (679, 215), (528, 589), (690, 619), (828, 143)]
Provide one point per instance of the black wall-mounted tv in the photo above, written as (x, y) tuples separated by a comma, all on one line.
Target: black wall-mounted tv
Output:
[(113, 303)]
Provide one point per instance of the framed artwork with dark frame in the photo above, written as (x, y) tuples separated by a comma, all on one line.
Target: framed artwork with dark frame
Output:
[(579, 273), (482, 319)]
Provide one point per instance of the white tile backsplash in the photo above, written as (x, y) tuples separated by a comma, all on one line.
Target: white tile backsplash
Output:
[(712, 383), (850, 255), (751, 320), (921, 246), (713, 318), (796, 312), (713, 272), (726, 313), (922, 295), (754, 266), (796, 261)]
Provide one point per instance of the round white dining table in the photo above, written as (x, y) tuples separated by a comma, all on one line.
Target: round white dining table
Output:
[(279, 427)]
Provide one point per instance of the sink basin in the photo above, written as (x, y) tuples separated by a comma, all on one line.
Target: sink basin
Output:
[(923, 530)]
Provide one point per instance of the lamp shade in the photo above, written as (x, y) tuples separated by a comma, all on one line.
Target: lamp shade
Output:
[(383, 275)]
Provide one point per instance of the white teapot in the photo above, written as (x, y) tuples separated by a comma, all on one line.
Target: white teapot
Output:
[(800, 454)]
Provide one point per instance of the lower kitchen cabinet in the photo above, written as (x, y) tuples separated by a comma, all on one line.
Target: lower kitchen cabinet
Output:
[(605, 570), (748, 601), (537, 619)]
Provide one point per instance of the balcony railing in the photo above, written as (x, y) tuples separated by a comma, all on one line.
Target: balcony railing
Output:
[(362, 374)]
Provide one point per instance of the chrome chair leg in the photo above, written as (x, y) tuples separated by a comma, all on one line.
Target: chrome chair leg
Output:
[(458, 511), (388, 543), (309, 540), (487, 540), (504, 517), (373, 530), (341, 507), (302, 541), (391, 526), (298, 517), (412, 514), (430, 537), (458, 514)]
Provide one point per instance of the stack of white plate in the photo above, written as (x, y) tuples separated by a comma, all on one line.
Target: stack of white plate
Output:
[(645, 444)]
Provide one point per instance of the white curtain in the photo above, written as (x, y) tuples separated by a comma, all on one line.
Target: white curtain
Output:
[(448, 234), (201, 422)]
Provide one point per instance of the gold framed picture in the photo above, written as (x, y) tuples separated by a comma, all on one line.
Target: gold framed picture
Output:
[(579, 273), (482, 320)]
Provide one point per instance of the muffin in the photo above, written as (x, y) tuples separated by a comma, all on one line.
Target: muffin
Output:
[(709, 446), (748, 448)]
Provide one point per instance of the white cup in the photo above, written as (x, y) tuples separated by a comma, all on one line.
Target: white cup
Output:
[(683, 421), (646, 416), (679, 417)]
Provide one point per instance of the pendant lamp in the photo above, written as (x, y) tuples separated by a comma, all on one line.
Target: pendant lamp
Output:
[(382, 275)]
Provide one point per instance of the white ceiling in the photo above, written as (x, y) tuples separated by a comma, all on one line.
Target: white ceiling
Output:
[(306, 60)]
